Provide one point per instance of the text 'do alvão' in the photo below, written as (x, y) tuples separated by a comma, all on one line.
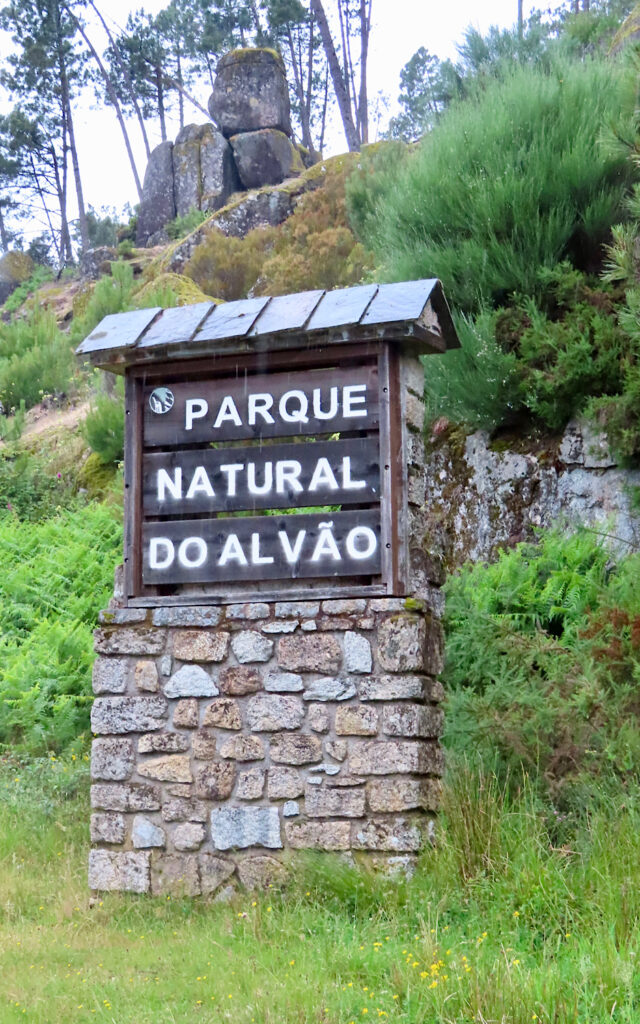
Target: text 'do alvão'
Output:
[(262, 547)]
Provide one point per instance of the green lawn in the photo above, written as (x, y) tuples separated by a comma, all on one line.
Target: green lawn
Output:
[(502, 923)]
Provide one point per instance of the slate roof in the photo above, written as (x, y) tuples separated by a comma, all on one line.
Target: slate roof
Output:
[(409, 311)]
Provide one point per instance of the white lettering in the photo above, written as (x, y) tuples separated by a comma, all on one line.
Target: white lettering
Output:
[(356, 536), (351, 398), (195, 409), (260, 404), (347, 483), (265, 487), (165, 483), (232, 551), (287, 473), (156, 559), (292, 554), (226, 412), (200, 556), (317, 404), (256, 557), (200, 484), (323, 476), (296, 415), (232, 471), (326, 546)]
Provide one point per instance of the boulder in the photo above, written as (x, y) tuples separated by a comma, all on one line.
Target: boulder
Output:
[(265, 157), (186, 170), (218, 175), (158, 205), (250, 92)]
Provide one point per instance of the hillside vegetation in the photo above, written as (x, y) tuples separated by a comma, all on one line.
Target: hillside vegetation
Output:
[(524, 198)]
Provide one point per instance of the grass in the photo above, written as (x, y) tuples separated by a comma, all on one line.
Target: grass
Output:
[(501, 923)]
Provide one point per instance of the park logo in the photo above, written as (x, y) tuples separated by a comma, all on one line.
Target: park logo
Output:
[(161, 400)]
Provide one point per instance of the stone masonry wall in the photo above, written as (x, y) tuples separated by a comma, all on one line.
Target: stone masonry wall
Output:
[(226, 737)]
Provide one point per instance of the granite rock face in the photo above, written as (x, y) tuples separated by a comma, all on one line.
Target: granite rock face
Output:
[(265, 157), (158, 204), (250, 92)]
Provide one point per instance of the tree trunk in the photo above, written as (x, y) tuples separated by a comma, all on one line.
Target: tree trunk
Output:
[(363, 99), (127, 78), (339, 84), (180, 94), (113, 96), (160, 94), (297, 81), (4, 237), (60, 245), (82, 213), (520, 20)]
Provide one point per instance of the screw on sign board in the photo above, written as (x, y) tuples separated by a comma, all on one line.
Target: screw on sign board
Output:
[(265, 449)]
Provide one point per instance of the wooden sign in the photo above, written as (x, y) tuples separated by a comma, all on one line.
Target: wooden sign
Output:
[(248, 476)]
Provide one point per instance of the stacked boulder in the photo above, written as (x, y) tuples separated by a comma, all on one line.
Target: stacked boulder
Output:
[(250, 147), (250, 105)]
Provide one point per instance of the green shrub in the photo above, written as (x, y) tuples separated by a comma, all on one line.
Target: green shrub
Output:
[(56, 576), (112, 294), (182, 226), (103, 428), (36, 358), (23, 291), (543, 662), (476, 384), (509, 181)]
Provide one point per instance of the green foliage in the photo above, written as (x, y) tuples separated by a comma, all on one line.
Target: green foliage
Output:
[(427, 85), (103, 427), (56, 576), (180, 227), (476, 384), (558, 626), (370, 182), (23, 291), (112, 294), (36, 358), (527, 184)]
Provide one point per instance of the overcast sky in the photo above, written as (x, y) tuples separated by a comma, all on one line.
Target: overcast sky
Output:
[(400, 28)]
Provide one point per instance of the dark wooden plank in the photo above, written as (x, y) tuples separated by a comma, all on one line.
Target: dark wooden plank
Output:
[(286, 313), (261, 548), (231, 319), (342, 307), (396, 302), (118, 330), (327, 389), (268, 590), (176, 326), (192, 482)]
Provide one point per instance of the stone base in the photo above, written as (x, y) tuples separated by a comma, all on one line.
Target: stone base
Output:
[(227, 737)]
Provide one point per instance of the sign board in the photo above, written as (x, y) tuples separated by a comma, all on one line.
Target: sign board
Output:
[(240, 478)]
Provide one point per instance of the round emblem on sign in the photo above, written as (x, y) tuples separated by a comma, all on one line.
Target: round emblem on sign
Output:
[(161, 400)]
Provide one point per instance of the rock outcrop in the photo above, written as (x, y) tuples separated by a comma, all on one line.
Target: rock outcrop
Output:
[(250, 148), (250, 92), (481, 496)]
